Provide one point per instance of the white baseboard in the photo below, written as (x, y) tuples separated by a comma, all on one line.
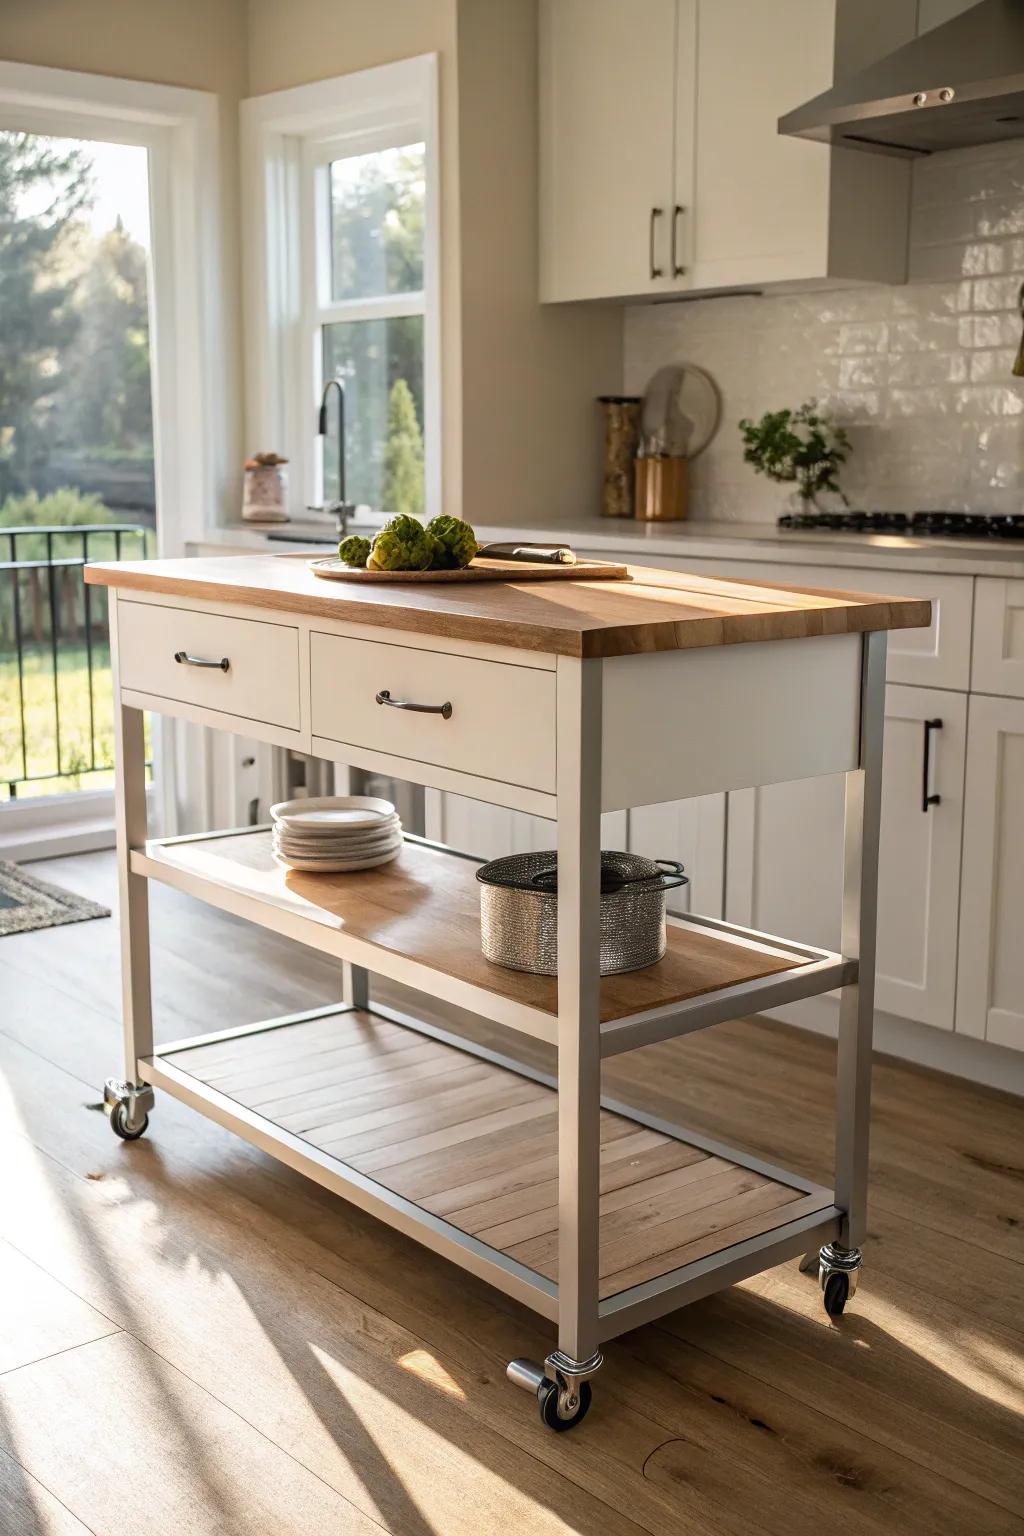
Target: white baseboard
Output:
[(84, 836), (977, 1061), (51, 826)]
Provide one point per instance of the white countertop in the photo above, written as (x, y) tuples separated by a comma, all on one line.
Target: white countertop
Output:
[(700, 540)]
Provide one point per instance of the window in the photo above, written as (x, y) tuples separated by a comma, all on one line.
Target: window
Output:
[(112, 231), (344, 285), (369, 322)]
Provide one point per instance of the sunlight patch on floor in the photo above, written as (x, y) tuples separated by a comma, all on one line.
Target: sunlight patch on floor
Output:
[(422, 1364)]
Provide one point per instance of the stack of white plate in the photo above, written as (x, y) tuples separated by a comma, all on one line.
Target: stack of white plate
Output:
[(336, 833)]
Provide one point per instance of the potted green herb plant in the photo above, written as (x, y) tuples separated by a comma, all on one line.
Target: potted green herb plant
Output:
[(804, 446)]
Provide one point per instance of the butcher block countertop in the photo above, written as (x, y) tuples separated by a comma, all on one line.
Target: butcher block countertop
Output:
[(655, 611)]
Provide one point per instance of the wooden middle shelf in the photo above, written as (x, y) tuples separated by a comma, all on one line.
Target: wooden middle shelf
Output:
[(476, 1144), (417, 920)]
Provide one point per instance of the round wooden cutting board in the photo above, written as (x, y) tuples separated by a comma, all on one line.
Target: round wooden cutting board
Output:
[(333, 569)]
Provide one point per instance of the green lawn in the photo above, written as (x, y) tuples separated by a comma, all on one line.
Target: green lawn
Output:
[(40, 719)]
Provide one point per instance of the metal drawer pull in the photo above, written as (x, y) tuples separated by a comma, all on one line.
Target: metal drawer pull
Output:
[(444, 710), (926, 798), (655, 271), (677, 270), (201, 661)]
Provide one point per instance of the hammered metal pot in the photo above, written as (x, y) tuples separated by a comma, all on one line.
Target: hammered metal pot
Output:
[(519, 911)]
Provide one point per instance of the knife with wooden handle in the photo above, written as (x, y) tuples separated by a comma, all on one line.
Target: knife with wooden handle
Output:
[(530, 554)]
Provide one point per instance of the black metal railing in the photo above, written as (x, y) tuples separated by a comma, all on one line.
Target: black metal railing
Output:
[(56, 716)]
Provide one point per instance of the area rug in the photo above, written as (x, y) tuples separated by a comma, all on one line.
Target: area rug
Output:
[(27, 903)]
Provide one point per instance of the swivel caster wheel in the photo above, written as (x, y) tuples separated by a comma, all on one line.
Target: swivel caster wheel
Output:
[(836, 1293), (121, 1126), (837, 1271), (562, 1408), (560, 1385), (127, 1106)]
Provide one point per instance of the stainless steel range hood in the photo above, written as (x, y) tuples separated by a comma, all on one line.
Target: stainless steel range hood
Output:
[(961, 83)]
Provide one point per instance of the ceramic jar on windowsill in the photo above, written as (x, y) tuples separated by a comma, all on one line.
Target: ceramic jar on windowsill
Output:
[(265, 489)]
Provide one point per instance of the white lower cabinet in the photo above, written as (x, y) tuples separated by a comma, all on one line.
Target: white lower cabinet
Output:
[(990, 989), (770, 829), (490, 831), (919, 856), (691, 831)]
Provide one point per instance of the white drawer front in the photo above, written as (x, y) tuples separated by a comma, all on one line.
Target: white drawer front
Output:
[(502, 721), (261, 682), (997, 665), (936, 657)]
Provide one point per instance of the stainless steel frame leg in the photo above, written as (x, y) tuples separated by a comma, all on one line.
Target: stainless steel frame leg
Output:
[(579, 1045), (130, 823), (355, 985), (860, 891)]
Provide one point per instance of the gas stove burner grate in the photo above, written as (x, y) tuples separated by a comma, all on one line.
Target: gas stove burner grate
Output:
[(943, 525)]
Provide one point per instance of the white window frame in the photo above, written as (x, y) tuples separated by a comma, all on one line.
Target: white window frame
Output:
[(195, 417), (289, 139), (193, 339)]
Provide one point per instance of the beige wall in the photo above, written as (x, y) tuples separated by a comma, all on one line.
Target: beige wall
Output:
[(294, 42), (196, 43), (530, 372)]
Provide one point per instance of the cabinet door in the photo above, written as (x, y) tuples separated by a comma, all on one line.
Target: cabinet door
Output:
[(692, 831), (936, 657), (990, 991), (607, 123), (997, 663), (785, 864), (764, 199), (919, 856)]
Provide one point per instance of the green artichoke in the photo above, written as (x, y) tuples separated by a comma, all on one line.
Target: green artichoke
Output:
[(455, 539), (403, 544), (354, 550)]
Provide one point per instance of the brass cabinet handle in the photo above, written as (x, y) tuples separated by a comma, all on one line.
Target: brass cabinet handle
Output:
[(677, 270), (201, 661), (926, 765), (655, 215), (444, 710)]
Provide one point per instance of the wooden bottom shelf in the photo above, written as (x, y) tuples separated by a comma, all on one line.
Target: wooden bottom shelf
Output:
[(475, 1144)]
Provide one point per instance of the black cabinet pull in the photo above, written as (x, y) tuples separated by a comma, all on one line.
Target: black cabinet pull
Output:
[(201, 661), (655, 216), (926, 765), (444, 710), (677, 270)]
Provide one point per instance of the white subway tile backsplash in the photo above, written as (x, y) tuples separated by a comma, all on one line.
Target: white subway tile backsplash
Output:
[(920, 375)]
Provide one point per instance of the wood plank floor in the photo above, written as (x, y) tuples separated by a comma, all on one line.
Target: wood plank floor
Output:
[(480, 1142), (197, 1342)]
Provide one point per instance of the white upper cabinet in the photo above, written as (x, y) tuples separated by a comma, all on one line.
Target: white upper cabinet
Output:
[(662, 170), (609, 137)]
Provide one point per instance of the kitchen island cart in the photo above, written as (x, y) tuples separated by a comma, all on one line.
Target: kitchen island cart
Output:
[(563, 700)]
